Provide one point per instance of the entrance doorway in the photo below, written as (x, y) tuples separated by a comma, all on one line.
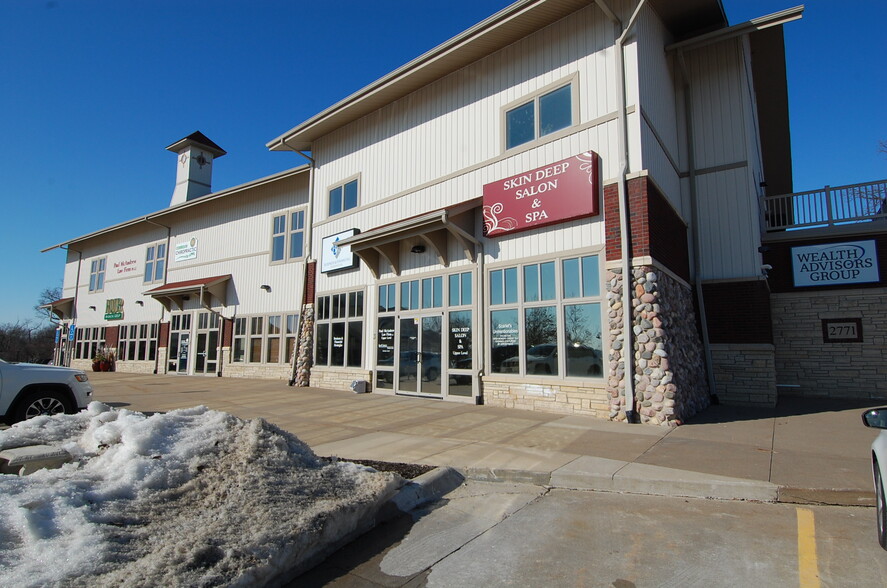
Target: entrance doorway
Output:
[(424, 337), (207, 351), (194, 351)]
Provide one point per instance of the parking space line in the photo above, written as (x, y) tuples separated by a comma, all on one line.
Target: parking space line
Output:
[(808, 567)]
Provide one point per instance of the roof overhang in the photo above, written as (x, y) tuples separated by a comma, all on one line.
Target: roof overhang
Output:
[(433, 230), (62, 308), (175, 294), (771, 88), (507, 26), (745, 28), (185, 205)]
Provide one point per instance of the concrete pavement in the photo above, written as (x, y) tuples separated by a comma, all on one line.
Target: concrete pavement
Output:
[(805, 450)]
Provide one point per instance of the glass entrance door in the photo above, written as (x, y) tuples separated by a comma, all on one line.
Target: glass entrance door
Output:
[(418, 357), (207, 348)]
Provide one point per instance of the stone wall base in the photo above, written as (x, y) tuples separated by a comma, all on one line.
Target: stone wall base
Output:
[(257, 371), (808, 366), (339, 379), (745, 374), (548, 397), (135, 367)]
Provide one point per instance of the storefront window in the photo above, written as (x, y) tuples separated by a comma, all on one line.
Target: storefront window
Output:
[(551, 339), (339, 339)]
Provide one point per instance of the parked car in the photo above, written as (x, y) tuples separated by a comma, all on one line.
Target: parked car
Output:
[(877, 418), (28, 390)]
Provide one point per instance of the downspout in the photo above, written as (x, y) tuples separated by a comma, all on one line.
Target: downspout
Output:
[(479, 292), (162, 308), (309, 226), (70, 348), (624, 226), (694, 206)]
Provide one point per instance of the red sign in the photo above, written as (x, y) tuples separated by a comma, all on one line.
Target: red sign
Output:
[(559, 192)]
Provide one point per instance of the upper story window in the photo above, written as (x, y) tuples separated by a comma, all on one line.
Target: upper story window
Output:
[(288, 236), (343, 197), (539, 115), (97, 275), (155, 263)]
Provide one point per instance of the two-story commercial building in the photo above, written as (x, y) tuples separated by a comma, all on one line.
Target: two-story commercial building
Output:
[(559, 209)]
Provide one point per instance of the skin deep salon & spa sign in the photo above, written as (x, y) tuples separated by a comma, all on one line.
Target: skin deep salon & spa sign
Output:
[(835, 263), (555, 193)]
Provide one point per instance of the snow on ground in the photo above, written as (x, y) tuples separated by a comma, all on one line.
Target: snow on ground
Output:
[(192, 497)]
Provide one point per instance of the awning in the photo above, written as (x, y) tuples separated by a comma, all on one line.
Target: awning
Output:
[(175, 293), (431, 229), (62, 308)]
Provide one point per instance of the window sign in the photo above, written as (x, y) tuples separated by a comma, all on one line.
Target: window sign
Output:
[(187, 250), (334, 257), (562, 191), (835, 263)]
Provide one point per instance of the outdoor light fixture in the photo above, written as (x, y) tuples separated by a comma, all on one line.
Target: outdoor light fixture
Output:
[(140, 303), (418, 249), (92, 308), (265, 287), (186, 298)]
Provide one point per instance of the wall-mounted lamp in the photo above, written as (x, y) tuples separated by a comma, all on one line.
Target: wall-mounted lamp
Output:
[(418, 249), (92, 308), (265, 287), (140, 303), (186, 298)]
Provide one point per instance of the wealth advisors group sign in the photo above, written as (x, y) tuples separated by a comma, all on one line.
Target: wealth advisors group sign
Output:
[(555, 193), (835, 263)]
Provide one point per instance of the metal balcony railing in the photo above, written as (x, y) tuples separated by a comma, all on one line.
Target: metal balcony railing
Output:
[(828, 207)]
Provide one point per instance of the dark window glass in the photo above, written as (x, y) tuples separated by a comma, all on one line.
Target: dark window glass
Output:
[(555, 111), (385, 341), (355, 343), (323, 341), (590, 282), (337, 349), (505, 341), (572, 288), (540, 332), (350, 195), (335, 201), (511, 285), (520, 125), (582, 333), (531, 283)]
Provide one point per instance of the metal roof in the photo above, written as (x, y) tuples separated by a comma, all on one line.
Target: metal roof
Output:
[(507, 26)]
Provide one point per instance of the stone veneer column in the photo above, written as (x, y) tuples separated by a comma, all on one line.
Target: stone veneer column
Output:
[(305, 351), (669, 374)]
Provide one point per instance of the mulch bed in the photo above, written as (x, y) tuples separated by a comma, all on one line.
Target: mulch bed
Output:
[(407, 471)]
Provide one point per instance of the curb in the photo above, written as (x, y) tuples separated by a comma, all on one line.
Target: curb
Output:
[(426, 488)]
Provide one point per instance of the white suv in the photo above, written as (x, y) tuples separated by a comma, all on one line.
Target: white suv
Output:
[(28, 390)]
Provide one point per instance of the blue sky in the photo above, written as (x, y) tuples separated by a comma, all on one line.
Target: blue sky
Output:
[(94, 90)]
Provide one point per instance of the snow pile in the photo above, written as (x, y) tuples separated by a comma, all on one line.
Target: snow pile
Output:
[(193, 497)]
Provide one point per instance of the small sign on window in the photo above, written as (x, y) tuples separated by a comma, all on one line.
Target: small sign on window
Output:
[(848, 330)]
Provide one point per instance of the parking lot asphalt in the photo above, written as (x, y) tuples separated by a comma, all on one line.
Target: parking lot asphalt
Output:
[(804, 450)]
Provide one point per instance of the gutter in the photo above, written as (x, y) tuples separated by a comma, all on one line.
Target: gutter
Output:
[(624, 226), (309, 226)]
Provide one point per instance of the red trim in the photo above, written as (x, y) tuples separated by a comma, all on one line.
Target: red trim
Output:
[(189, 284)]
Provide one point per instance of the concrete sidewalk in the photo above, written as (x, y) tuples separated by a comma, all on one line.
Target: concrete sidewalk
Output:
[(806, 451)]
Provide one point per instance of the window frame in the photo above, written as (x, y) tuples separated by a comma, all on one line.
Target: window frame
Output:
[(250, 328), (534, 98), (138, 342), (152, 250), (355, 179), (338, 310), (286, 234), (558, 307), (97, 269)]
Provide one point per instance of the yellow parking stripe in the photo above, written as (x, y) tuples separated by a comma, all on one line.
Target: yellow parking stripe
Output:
[(808, 568)]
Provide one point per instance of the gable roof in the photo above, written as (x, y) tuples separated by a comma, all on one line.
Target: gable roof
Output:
[(507, 26)]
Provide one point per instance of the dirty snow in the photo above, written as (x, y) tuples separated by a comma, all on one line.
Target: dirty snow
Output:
[(192, 497)]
